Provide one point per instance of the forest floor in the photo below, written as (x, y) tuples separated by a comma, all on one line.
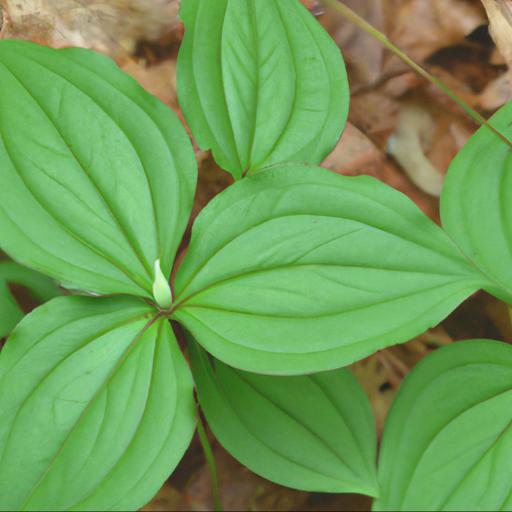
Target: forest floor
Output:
[(401, 129)]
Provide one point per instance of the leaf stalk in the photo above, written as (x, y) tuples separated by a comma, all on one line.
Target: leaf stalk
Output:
[(210, 460)]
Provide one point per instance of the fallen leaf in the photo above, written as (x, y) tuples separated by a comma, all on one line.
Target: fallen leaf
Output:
[(405, 145), (363, 53), (425, 141), (422, 27), (497, 93), (382, 373), (240, 489), (500, 26), (109, 26), (167, 499), (159, 79), (354, 154), (357, 154)]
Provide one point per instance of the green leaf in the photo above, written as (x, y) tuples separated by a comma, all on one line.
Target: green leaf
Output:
[(260, 82), (39, 286), (315, 433), (447, 441), (10, 312), (97, 406), (97, 176), (475, 204), (297, 270)]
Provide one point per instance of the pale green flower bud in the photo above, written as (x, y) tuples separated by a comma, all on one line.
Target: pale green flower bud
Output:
[(161, 288)]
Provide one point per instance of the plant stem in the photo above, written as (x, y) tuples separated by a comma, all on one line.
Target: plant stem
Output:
[(210, 460), (353, 17)]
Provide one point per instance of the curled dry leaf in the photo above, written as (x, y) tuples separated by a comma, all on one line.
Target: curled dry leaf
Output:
[(415, 124), (500, 26), (499, 91), (425, 141)]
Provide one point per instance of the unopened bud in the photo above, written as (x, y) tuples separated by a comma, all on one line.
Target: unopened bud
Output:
[(161, 289)]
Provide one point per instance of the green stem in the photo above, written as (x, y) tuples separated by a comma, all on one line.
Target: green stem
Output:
[(210, 460), (353, 17)]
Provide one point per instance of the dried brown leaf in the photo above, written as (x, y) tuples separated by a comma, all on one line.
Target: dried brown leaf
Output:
[(420, 27), (108, 26), (500, 26)]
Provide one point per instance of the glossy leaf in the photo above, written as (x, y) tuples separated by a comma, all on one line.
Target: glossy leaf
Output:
[(97, 406), (447, 442), (260, 82), (297, 270), (315, 433), (475, 205), (39, 286), (97, 176)]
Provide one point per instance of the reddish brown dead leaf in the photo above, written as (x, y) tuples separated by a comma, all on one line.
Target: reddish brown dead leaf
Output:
[(356, 154)]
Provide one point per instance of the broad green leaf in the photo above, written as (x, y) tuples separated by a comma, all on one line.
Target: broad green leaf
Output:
[(447, 442), (97, 176), (97, 406), (260, 82), (298, 270), (40, 287), (475, 204), (315, 433)]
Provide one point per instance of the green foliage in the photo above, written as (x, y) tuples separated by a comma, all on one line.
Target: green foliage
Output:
[(260, 83), (447, 442), (299, 270), (99, 180), (40, 287), (313, 432), (97, 176), (475, 205), (97, 406), (294, 270)]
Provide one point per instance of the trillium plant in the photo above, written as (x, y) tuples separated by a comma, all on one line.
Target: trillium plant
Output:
[(292, 273)]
